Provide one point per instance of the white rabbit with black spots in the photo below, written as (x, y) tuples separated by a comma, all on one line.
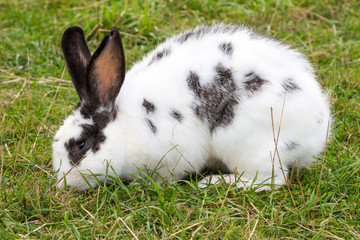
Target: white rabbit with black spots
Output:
[(202, 100)]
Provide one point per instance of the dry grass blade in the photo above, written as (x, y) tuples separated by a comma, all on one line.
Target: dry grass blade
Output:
[(323, 163), (276, 152), (253, 230), (194, 232), (59, 180), (37, 229), (175, 233), (2, 166), (132, 233)]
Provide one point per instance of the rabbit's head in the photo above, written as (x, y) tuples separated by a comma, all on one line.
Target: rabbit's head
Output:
[(97, 80)]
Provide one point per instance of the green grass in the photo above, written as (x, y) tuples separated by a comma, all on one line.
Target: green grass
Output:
[(36, 95)]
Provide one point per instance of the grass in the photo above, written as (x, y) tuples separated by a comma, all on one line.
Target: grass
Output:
[(36, 95)]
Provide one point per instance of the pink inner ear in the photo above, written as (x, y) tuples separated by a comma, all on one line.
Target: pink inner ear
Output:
[(107, 71)]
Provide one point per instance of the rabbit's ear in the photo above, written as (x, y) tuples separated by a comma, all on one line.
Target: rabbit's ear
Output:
[(106, 71), (77, 57)]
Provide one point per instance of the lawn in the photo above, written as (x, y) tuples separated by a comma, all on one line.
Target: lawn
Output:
[(36, 94)]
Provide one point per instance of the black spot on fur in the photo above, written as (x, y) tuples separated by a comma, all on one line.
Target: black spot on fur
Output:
[(217, 100), (91, 136), (151, 125), (149, 107), (227, 48), (77, 106), (291, 145), (253, 82), (289, 85), (86, 111), (159, 55), (100, 117), (103, 118), (177, 115)]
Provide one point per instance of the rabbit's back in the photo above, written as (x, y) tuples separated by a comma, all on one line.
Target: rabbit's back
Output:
[(218, 92)]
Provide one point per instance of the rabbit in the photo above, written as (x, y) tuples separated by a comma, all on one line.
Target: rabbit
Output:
[(219, 98)]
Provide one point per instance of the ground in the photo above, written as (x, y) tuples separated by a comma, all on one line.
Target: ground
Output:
[(321, 202)]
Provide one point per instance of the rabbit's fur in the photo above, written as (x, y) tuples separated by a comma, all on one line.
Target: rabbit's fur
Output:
[(213, 97)]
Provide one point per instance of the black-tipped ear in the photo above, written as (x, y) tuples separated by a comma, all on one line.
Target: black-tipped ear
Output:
[(77, 57), (106, 71)]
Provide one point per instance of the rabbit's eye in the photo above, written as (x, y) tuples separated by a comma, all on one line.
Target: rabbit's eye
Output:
[(81, 145)]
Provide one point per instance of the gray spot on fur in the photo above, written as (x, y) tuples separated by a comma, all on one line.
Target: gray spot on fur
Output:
[(215, 164), (291, 145), (217, 100), (151, 125), (199, 32), (289, 85), (320, 118), (159, 55), (196, 109), (224, 78), (212, 166), (253, 82), (256, 35), (227, 48), (149, 107), (177, 115), (193, 83), (185, 36)]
